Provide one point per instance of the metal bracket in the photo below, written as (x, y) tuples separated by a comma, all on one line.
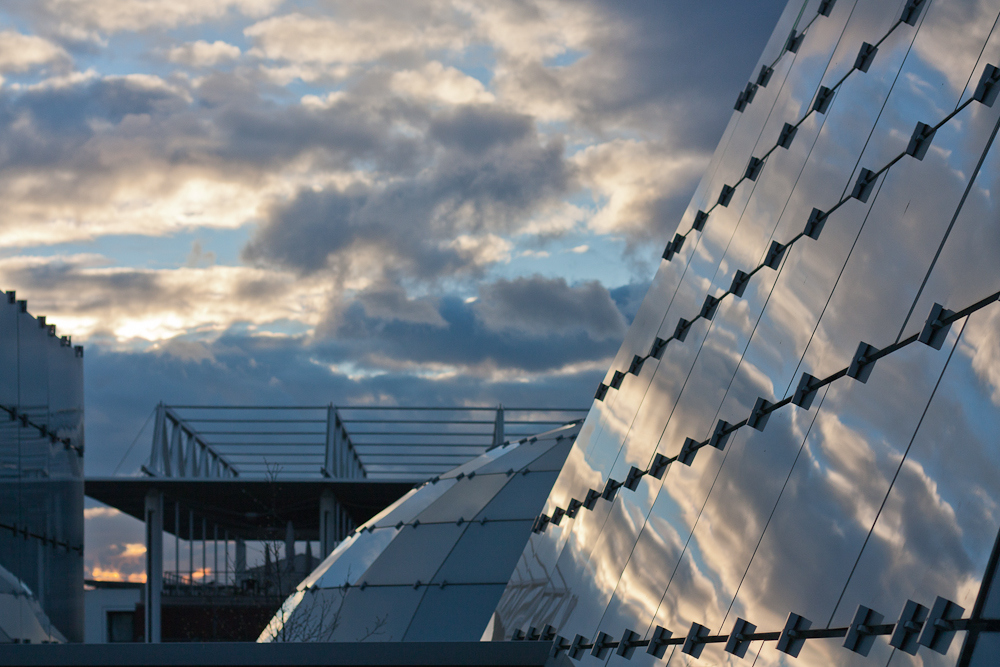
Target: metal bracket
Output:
[(862, 363), (860, 637), (759, 415), (737, 644), (790, 641)]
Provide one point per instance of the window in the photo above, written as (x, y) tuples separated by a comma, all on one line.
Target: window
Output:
[(121, 626)]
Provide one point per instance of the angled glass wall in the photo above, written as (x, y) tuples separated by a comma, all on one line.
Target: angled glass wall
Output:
[(431, 566), (41, 480), (802, 418)]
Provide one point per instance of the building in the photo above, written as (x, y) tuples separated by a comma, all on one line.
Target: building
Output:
[(230, 494), (41, 480), (431, 567), (110, 612), (795, 451)]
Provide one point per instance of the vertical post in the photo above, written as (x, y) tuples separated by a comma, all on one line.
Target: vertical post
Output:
[(177, 545), (289, 547), (241, 559), (225, 566), (498, 435), (154, 563), (215, 556), (329, 461), (158, 453), (190, 547), (327, 523), (204, 550), (176, 451), (190, 466), (341, 452)]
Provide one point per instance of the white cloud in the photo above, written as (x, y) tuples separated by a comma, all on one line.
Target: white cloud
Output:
[(299, 38), (631, 177), (482, 250), (554, 219), (981, 343), (21, 53), (152, 203), (109, 16), (83, 296), (94, 512), (534, 30), (203, 54), (434, 81)]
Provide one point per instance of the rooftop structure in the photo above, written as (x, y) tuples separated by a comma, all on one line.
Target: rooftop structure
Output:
[(334, 441), (220, 477)]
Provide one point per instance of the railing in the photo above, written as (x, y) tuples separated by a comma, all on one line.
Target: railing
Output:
[(178, 450), (340, 442)]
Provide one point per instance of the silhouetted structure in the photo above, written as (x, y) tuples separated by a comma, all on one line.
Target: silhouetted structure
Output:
[(41, 479)]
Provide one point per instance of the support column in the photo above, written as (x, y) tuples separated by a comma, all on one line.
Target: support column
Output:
[(190, 547), (327, 523), (498, 435), (177, 545), (289, 547), (215, 555), (241, 561), (341, 452), (204, 551), (330, 460), (154, 564)]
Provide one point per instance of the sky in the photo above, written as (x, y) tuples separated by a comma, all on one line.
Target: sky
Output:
[(303, 202)]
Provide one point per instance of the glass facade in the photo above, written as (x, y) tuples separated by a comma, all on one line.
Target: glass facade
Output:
[(41, 480), (802, 418), (431, 566)]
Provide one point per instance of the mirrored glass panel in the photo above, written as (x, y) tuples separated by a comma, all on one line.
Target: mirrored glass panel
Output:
[(817, 440)]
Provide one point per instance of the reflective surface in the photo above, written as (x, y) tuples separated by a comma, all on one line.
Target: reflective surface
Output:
[(432, 566), (881, 491), (41, 480)]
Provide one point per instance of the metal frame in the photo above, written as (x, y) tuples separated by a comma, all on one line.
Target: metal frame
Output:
[(358, 441)]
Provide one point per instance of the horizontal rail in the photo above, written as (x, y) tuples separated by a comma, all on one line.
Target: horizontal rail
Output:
[(358, 445), (268, 444), (256, 421), (451, 421), (322, 433), (371, 407), (487, 434)]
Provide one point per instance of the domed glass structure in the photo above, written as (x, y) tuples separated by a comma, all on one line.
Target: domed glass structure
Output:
[(431, 566)]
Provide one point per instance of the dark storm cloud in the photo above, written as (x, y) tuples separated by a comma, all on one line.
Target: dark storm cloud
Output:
[(179, 125), (671, 68), (491, 170), (475, 129), (265, 134), (464, 342), (541, 306), (109, 294)]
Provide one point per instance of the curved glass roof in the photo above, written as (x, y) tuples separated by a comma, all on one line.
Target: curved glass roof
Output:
[(432, 566)]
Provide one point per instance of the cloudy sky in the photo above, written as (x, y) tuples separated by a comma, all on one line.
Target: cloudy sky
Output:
[(281, 201)]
